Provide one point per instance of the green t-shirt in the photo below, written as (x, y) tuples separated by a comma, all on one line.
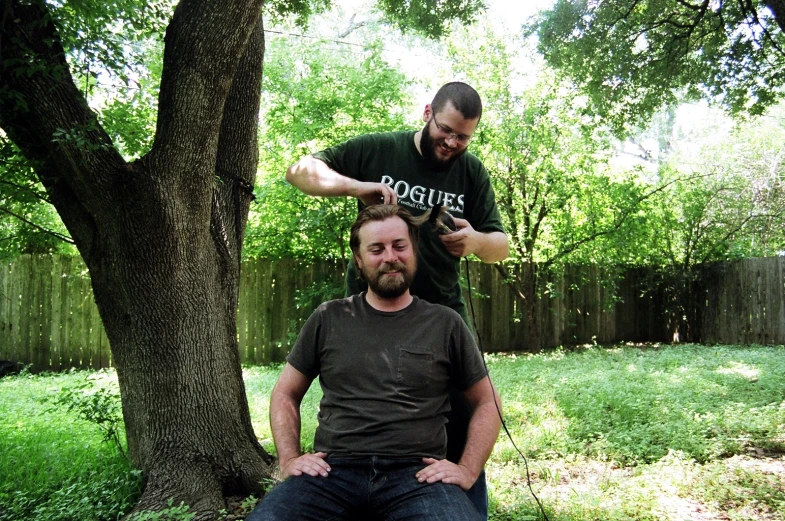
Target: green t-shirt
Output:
[(393, 159), (385, 376)]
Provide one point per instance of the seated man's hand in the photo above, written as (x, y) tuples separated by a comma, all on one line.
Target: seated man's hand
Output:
[(311, 464), (446, 472)]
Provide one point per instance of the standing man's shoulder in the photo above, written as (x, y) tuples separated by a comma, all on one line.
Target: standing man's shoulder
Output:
[(369, 141), (474, 166), (364, 157), (439, 313)]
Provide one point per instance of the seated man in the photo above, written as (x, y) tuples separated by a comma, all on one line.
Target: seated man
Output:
[(385, 361)]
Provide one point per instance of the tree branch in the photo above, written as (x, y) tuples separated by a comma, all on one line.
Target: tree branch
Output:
[(238, 152), (352, 26), (28, 189), (514, 287), (618, 222), (778, 10), (45, 115), (203, 50), (63, 238)]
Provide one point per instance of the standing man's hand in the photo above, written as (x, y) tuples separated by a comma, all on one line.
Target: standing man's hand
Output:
[(313, 176), (446, 472), (311, 464), (463, 241), (374, 193), (489, 247)]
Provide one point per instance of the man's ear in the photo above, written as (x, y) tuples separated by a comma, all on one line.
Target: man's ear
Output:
[(426, 115), (357, 261)]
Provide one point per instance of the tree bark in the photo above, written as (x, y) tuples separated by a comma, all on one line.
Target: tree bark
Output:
[(161, 237)]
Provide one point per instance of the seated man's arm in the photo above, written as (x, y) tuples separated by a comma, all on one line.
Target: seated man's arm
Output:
[(285, 423), (483, 430)]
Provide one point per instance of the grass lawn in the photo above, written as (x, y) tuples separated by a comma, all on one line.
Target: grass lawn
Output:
[(667, 433)]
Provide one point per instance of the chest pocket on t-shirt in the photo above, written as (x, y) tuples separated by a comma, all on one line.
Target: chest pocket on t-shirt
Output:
[(414, 370)]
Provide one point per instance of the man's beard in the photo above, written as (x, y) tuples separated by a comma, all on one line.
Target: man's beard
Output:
[(428, 148), (389, 286)]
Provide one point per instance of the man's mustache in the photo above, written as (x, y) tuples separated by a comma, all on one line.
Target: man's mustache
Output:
[(389, 267)]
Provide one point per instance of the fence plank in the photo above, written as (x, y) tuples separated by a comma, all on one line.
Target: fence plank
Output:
[(66, 311), (25, 304), (253, 324), (42, 330), (5, 310), (255, 319), (55, 323), (15, 312), (245, 290), (777, 303), (76, 320), (265, 290), (252, 316)]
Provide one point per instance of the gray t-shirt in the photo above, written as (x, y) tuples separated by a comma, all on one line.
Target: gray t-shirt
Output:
[(385, 376)]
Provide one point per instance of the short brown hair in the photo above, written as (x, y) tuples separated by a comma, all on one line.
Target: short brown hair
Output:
[(462, 96), (382, 212)]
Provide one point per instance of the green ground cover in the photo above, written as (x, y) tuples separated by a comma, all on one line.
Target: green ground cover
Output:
[(611, 433)]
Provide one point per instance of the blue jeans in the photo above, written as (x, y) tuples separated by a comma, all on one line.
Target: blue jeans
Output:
[(360, 488), (478, 495)]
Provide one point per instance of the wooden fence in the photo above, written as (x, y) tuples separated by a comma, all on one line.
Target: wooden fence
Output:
[(742, 302), (48, 317)]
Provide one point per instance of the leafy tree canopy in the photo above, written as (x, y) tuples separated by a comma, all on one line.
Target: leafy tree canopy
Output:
[(429, 17), (28, 222), (548, 159), (316, 95), (733, 205), (633, 56)]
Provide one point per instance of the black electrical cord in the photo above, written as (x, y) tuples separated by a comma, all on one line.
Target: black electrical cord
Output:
[(498, 410)]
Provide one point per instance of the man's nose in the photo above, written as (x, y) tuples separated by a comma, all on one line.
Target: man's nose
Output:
[(451, 140), (390, 255)]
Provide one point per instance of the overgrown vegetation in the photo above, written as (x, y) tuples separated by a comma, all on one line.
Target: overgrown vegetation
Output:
[(612, 433), (55, 466)]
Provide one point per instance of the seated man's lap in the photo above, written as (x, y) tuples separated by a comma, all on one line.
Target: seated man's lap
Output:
[(402, 497), (377, 491), (300, 498)]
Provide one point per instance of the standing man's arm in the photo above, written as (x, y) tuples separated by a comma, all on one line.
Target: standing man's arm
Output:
[(313, 177), (483, 430), (490, 247), (285, 423)]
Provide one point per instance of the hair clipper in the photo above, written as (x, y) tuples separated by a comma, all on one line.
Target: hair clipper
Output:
[(441, 220)]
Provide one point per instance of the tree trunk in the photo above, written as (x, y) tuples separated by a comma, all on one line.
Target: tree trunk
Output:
[(523, 285), (174, 343), (529, 291), (161, 236)]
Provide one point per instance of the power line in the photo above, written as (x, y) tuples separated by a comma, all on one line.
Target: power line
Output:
[(315, 38), (429, 58)]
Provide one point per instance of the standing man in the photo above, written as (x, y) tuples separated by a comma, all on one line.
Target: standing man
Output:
[(386, 361), (419, 170)]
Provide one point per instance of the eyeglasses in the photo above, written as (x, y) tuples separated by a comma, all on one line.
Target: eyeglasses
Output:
[(461, 139)]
